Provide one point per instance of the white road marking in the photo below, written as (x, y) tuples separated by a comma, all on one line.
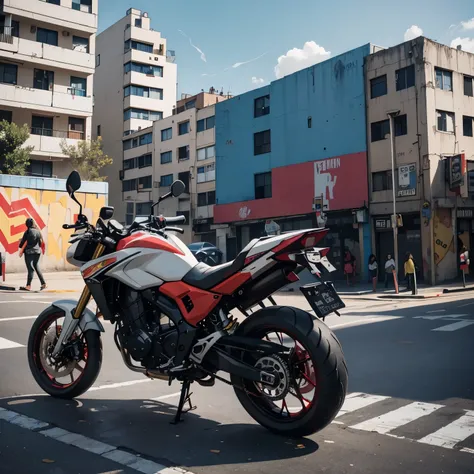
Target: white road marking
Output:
[(6, 344), (362, 400), (467, 450), (436, 311), (454, 326), (450, 435), (443, 316), (396, 418), (464, 305), (94, 446), (119, 384), (365, 321), (164, 397), (18, 318)]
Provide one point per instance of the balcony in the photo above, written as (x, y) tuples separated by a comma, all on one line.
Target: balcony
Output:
[(21, 49), (63, 16), (48, 142), (140, 102), (50, 101)]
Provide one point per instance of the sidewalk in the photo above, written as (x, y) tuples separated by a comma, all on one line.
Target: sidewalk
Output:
[(58, 282)]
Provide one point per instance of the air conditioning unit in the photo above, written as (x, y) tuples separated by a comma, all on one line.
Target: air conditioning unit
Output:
[(32, 29), (66, 33)]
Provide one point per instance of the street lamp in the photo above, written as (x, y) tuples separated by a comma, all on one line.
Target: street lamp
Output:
[(391, 115)]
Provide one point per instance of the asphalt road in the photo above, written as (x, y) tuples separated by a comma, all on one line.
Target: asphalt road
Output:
[(410, 407)]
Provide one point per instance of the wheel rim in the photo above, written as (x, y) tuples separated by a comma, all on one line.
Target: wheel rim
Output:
[(68, 368), (303, 390)]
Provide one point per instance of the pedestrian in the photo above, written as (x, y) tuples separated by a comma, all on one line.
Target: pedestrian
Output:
[(32, 245), (389, 269), (410, 271), (349, 266), (373, 271)]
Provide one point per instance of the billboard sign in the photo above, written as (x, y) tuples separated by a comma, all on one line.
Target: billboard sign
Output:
[(407, 180)]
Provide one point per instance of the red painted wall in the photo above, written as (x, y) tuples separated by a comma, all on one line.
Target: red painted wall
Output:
[(341, 180)]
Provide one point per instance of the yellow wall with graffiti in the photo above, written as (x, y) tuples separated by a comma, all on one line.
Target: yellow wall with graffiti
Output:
[(444, 253), (50, 209)]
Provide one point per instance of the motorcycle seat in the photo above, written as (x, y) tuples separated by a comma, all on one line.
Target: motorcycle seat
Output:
[(205, 277)]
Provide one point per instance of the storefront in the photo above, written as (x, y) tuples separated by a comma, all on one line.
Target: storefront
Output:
[(203, 232), (465, 232)]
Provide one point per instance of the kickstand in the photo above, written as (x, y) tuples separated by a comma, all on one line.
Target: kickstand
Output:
[(184, 398)]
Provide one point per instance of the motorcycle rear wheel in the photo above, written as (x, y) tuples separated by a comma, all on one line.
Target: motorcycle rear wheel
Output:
[(317, 361)]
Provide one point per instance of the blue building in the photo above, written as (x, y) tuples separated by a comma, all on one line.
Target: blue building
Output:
[(295, 152)]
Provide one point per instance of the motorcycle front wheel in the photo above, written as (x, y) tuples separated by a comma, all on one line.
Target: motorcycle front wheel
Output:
[(311, 379), (75, 369)]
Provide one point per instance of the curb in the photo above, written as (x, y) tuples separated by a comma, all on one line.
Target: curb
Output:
[(7, 288), (409, 297), (458, 290)]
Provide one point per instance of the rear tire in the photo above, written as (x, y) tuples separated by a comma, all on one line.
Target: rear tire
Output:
[(328, 360), (91, 369)]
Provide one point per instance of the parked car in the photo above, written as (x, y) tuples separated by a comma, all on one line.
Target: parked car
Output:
[(207, 253)]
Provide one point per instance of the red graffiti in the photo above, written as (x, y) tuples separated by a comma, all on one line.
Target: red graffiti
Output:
[(21, 207)]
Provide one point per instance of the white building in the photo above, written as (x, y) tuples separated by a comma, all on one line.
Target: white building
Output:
[(428, 87), (135, 84), (47, 63)]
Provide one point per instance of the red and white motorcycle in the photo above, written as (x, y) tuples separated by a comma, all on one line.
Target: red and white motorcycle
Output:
[(173, 320)]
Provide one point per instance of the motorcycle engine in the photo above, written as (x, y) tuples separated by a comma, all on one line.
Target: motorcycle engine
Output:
[(141, 332)]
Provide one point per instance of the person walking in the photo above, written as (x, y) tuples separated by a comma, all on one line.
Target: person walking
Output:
[(389, 269), (410, 272), (349, 266), (373, 271), (32, 245)]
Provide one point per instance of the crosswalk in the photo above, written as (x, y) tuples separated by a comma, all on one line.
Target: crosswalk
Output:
[(454, 427)]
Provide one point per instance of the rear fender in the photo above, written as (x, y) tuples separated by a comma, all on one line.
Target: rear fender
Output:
[(87, 321)]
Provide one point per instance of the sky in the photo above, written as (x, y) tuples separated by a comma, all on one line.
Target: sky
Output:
[(250, 43)]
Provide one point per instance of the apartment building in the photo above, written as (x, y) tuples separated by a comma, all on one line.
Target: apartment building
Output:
[(428, 90), (181, 146), (47, 63), (135, 84)]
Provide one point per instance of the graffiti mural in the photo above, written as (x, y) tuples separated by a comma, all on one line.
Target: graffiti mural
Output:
[(50, 209), (444, 257)]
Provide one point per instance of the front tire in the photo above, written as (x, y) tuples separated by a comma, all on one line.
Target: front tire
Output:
[(328, 373), (89, 343)]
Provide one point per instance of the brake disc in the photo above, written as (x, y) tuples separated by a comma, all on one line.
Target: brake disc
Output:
[(56, 369), (276, 366)]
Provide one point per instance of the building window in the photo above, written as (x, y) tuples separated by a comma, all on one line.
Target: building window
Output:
[(54, 2), (129, 164), (467, 126), (76, 128), (129, 185), (166, 180), (145, 139), (379, 130), (400, 125), (166, 157), (8, 73), (80, 44), (378, 86), (262, 142), (97, 60), (140, 91), (138, 45), (470, 183), (206, 124), (43, 79), (263, 185), (82, 5), (183, 128), (6, 115), (261, 106), (445, 121), (143, 208), (444, 79), (145, 182), (206, 153), (166, 134), (98, 131), (129, 213), (183, 152), (405, 77), (144, 161), (468, 89), (206, 173), (184, 176), (382, 181), (78, 86), (147, 69), (47, 36), (206, 199), (138, 22), (142, 114), (42, 125), (40, 168)]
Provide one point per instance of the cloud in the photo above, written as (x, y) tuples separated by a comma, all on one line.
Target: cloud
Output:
[(468, 25), (467, 44), (413, 32), (203, 56), (258, 81), (236, 65), (296, 59)]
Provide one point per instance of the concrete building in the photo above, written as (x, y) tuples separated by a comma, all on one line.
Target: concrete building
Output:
[(429, 89), (135, 84), (47, 62), (294, 153), (180, 146)]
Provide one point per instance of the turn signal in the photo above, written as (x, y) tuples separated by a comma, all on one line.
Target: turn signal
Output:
[(88, 272)]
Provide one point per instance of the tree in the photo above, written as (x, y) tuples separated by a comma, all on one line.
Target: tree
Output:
[(14, 157), (87, 158)]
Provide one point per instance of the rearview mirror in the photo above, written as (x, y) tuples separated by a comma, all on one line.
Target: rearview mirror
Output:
[(177, 188), (73, 182), (106, 212)]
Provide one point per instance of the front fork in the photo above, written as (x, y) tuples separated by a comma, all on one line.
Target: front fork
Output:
[(72, 319)]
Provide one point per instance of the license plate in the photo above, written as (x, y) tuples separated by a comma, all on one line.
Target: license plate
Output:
[(322, 298)]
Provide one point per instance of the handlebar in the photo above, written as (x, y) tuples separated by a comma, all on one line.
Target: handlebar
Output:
[(75, 226), (174, 220)]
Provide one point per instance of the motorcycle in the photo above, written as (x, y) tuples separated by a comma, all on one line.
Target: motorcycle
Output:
[(174, 319)]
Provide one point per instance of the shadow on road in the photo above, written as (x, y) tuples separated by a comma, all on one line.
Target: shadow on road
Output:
[(144, 426)]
